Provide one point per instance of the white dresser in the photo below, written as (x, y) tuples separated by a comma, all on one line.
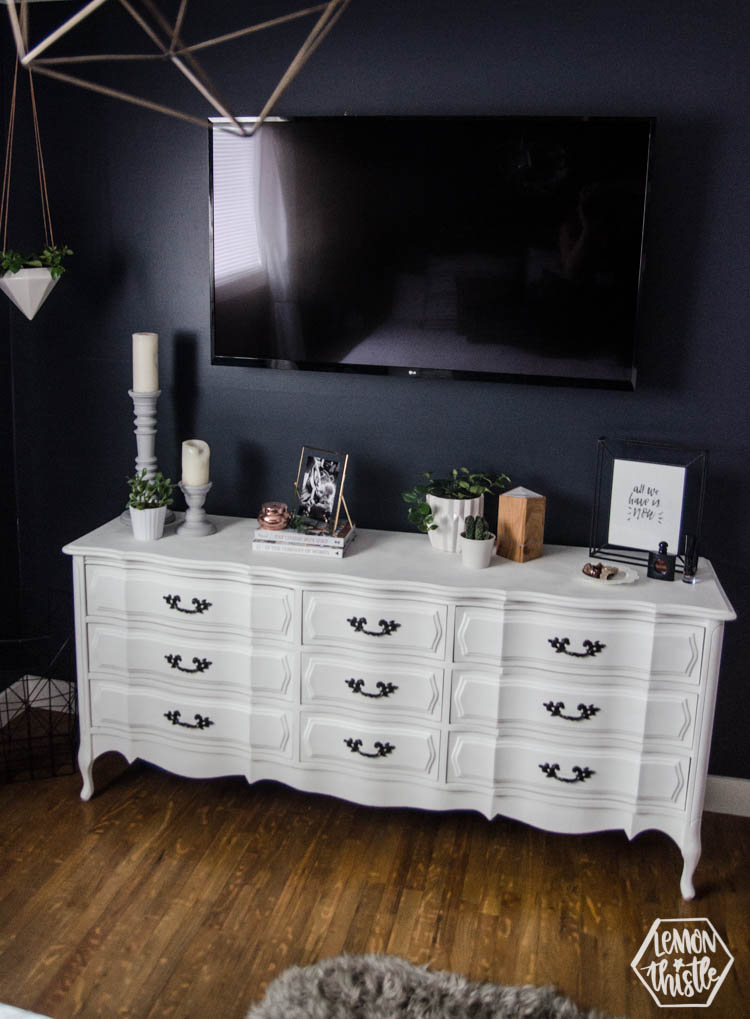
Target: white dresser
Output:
[(396, 677)]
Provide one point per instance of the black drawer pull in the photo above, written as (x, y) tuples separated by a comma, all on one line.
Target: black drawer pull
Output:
[(381, 749), (593, 647), (556, 709), (201, 722), (581, 774), (386, 689), (201, 605), (201, 664), (387, 627)]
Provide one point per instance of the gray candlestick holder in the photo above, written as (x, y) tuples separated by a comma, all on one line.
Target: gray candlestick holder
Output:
[(196, 524), (144, 414), (144, 410)]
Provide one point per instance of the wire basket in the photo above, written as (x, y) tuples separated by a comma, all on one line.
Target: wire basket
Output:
[(38, 704)]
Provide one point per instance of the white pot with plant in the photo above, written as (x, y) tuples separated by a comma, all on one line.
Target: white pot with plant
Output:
[(440, 506), (476, 543), (28, 280), (148, 502)]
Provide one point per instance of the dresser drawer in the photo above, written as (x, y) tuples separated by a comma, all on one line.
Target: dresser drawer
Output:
[(189, 600), (571, 710), (195, 720), (378, 624), (375, 748), (370, 683), (583, 775), (553, 640), (173, 656)]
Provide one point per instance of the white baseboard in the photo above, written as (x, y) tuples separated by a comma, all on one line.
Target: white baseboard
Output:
[(728, 795)]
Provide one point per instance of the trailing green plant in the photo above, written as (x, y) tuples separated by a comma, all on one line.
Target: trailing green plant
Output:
[(299, 522), (150, 493), (460, 484), (50, 257), (477, 529)]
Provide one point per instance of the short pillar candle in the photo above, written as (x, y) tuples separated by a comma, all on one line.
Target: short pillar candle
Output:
[(145, 362), (195, 461)]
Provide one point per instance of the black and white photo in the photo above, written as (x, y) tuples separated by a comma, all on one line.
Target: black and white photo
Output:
[(319, 485)]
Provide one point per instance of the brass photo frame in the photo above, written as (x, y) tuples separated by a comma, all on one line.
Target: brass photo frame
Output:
[(319, 487)]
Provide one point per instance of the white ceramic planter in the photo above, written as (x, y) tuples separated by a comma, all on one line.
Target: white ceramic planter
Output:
[(449, 515), (476, 555), (148, 524), (28, 289)]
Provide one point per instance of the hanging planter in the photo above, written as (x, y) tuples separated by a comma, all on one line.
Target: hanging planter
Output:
[(28, 280), (28, 289)]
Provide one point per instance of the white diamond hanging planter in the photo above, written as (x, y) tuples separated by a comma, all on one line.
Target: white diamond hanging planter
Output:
[(28, 289)]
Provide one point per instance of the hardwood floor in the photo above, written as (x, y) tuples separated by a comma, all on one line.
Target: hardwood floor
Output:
[(169, 897)]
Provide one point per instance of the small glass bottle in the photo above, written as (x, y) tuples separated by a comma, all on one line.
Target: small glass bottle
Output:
[(690, 559), (661, 563)]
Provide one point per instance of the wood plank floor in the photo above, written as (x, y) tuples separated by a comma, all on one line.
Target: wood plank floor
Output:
[(169, 897)]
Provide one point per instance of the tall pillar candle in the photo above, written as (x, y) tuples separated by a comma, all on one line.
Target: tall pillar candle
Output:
[(145, 362), (195, 457)]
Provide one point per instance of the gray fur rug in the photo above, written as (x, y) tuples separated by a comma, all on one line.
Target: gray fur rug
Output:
[(386, 987)]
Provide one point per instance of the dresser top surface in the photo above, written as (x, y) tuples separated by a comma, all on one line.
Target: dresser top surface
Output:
[(388, 559)]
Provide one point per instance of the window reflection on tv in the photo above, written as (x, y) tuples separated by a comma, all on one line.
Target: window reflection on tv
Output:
[(499, 248)]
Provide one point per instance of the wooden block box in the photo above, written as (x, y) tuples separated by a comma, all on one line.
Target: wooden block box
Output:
[(520, 525)]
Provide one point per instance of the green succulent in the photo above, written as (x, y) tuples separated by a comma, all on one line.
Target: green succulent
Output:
[(477, 529), (148, 493)]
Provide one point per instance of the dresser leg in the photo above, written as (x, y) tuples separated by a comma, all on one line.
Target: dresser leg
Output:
[(691, 853), (86, 768)]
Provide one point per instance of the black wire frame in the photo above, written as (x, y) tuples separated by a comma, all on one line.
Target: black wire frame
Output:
[(695, 462)]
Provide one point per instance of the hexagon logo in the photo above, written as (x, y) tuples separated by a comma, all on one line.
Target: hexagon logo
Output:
[(682, 962)]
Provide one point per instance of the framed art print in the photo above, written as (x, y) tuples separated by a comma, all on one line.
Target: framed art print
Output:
[(645, 494), (320, 486)]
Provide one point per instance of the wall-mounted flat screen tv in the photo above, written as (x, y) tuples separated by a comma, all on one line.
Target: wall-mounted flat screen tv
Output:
[(498, 248)]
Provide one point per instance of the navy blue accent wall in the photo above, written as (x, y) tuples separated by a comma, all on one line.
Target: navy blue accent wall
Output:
[(8, 532), (130, 194)]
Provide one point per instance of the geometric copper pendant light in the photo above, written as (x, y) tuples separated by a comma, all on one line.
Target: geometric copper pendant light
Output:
[(169, 46)]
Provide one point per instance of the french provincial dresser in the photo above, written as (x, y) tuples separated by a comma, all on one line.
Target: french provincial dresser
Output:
[(394, 677)]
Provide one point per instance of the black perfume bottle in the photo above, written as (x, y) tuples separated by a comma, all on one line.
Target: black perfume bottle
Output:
[(661, 563)]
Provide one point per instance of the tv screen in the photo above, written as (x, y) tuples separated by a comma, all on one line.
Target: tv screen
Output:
[(505, 248)]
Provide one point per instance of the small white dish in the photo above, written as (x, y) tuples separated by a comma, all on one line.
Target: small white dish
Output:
[(623, 576)]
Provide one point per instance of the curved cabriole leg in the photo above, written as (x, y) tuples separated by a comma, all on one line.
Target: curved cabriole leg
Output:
[(691, 853), (86, 768)]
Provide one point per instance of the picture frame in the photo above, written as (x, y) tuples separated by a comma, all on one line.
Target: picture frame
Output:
[(646, 493), (319, 487)]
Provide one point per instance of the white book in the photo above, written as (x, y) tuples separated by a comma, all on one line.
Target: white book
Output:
[(297, 548), (287, 535)]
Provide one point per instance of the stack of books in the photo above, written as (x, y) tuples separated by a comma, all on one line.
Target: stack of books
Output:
[(305, 542)]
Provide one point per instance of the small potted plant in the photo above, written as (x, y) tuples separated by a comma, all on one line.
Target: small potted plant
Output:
[(28, 280), (439, 506), (148, 501), (477, 543)]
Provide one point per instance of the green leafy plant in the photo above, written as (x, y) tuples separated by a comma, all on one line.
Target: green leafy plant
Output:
[(460, 484), (148, 493), (299, 522), (50, 257), (477, 529)]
